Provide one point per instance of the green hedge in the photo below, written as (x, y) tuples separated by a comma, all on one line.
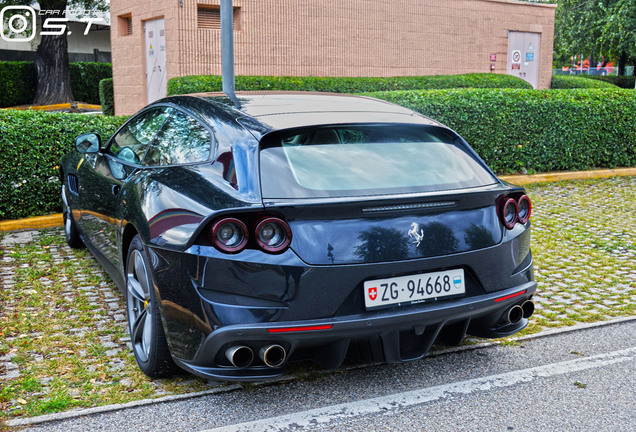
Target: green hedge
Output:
[(212, 83), (31, 145), (18, 81), (626, 82), (85, 78), (536, 130), (512, 129), (573, 82), (107, 96)]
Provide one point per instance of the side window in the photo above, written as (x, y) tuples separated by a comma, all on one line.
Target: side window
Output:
[(131, 143), (181, 140)]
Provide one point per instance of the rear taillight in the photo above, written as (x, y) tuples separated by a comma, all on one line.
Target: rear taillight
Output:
[(513, 210), (525, 208), (273, 234), (509, 212), (229, 235), (232, 235)]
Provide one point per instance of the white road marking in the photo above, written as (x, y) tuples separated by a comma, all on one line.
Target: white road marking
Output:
[(323, 416)]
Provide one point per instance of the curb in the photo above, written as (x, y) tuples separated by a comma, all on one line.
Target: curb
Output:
[(233, 387), (573, 175), (56, 220), (38, 222), (58, 107)]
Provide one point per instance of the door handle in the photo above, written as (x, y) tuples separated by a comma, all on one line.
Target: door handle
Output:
[(115, 190)]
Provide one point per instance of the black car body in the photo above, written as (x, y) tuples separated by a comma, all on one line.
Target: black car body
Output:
[(250, 232)]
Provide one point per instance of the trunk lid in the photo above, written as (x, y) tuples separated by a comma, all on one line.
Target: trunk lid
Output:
[(346, 231)]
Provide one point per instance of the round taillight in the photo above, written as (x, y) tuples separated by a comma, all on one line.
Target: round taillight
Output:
[(509, 213), (273, 234), (525, 208), (229, 235)]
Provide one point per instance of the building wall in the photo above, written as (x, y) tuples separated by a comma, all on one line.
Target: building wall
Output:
[(330, 38)]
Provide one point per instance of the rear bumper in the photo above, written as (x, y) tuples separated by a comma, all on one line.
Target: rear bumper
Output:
[(383, 336)]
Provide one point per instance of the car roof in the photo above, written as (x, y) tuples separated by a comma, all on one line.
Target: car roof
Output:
[(268, 111), (256, 104)]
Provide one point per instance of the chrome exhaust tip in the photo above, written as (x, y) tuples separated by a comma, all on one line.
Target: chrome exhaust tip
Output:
[(240, 356), (515, 314), (528, 308), (273, 355)]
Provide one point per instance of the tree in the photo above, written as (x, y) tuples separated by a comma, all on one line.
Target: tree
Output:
[(51, 61), (596, 27), (619, 32)]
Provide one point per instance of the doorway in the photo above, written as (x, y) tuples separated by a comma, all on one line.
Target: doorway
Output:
[(523, 56), (155, 35)]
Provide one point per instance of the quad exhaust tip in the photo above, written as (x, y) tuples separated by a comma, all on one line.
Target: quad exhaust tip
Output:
[(528, 308), (515, 314), (273, 355), (240, 356)]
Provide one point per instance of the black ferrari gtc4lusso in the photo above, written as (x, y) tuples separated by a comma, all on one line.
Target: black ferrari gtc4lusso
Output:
[(251, 231)]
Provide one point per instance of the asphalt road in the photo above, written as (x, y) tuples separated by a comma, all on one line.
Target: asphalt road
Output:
[(576, 381)]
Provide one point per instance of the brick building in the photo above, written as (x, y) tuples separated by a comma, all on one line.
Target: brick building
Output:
[(156, 40)]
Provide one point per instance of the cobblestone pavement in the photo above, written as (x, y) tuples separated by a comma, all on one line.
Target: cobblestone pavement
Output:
[(584, 247), (64, 341)]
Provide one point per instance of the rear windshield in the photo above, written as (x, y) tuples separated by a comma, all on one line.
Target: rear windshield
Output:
[(362, 160)]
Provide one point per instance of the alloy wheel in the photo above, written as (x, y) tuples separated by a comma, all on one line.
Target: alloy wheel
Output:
[(139, 305), (66, 214)]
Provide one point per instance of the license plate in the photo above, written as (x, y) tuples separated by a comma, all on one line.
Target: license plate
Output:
[(413, 288)]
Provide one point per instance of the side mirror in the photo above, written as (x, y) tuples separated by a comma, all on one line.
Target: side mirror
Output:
[(88, 143)]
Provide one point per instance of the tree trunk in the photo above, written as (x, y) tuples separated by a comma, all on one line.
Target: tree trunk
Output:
[(622, 62), (51, 65)]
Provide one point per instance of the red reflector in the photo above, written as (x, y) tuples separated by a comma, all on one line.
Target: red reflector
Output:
[(510, 296), (298, 329)]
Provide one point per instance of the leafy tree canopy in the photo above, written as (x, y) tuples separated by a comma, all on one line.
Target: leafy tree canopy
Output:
[(596, 27)]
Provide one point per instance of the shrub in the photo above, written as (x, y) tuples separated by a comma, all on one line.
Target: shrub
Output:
[(512, 129), (106, 96), (626, 82), (17, 83), (212, 83), (85, 78), (572, 82), (31, 145), (536, 130)]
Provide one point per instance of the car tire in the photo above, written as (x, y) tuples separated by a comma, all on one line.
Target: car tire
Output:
[(144, 321), (70, 229)]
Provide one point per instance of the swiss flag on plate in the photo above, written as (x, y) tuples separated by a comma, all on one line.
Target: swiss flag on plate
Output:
[(373, 293)]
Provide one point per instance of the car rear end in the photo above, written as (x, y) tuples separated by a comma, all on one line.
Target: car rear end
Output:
[(374, 241)]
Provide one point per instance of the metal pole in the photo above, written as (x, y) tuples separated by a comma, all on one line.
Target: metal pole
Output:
[(227, 48)]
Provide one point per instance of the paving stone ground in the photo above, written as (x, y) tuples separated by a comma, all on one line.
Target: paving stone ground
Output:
[(584, 247), (64, 341)]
